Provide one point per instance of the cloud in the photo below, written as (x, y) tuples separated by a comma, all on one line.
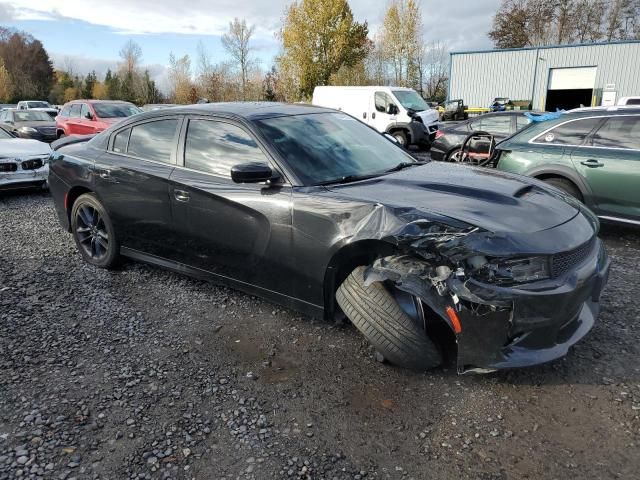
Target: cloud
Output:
[(461, 24)]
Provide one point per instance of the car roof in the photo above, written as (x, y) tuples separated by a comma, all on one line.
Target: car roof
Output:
[(606, 110), (93, 100), (246, 110)]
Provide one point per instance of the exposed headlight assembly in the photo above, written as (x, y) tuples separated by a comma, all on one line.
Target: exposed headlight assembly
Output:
[(27, 130), (513, 270)]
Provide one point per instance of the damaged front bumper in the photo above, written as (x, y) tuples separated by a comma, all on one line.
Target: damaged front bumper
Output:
[(498, 327)]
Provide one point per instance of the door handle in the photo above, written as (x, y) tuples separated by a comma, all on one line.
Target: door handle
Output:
[(181, 195), (364, 115), (105, 174), (592, 163), (373, 115)]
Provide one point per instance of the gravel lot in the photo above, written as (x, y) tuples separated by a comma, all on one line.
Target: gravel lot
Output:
[(142, 373)]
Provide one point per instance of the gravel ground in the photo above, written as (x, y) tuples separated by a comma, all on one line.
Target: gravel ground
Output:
[(142, 373)]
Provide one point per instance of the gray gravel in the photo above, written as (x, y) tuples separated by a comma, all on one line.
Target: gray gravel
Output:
[(142, 373)]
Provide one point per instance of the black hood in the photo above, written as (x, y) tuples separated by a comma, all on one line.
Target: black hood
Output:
[(493, 201)]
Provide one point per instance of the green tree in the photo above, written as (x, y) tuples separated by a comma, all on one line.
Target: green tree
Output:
[(89, 82), (318, 38), (402, 41), (112, 85)]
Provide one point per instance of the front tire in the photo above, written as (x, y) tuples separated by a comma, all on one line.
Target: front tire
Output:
[(377, 314), (401, 138), (93, 232)]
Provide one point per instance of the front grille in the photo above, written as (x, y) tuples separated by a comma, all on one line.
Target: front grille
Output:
[(32, 164), (8, 167), (47, 130), (561, 263)]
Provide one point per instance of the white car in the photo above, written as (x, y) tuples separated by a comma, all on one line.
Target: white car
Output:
[(24, 163), (398, 111), (39, 105)]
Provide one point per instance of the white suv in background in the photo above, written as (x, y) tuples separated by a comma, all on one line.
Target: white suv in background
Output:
[(40, 105)]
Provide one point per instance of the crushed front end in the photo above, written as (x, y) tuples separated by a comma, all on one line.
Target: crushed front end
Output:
[(511, 299)]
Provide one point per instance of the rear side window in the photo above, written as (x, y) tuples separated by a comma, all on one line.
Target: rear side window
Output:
[(618, 132), (120, 141), (570, 133), (75, 110), (153, 140), (496, 125), (522, 121), (214, 147)]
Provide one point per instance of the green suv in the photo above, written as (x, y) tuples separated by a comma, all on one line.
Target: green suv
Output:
[(591, 154)]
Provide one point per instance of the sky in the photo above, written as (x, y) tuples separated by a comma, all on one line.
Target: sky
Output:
[(87, 35)]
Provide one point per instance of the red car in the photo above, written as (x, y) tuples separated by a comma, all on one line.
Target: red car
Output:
[(87, 117)]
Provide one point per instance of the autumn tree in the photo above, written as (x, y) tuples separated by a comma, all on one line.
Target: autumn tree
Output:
[(319, 37), (6, 84), (523, 23), (180, 78), (402, 41), (236, 42), (27, 64)]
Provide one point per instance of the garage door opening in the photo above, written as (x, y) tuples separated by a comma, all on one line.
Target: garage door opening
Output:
[(568, 99), (570, 88)]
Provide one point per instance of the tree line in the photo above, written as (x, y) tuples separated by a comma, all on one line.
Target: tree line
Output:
[(532, 23)]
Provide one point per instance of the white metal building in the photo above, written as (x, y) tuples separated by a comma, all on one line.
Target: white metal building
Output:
[(564, 76)]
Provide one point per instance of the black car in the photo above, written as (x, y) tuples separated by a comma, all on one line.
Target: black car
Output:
[(449, 138), (312, 209), (30, 124)]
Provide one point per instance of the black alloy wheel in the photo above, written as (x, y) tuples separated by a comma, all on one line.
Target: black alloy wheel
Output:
[(93, 232)]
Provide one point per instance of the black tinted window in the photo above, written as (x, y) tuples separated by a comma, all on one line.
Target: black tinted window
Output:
[(215, 147), (75, 110), (619, 132), (153, 140), (633, 101), (120, 141), (570, 133)]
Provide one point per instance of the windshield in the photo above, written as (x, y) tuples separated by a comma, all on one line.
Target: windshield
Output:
[(115, 110), (38, 105), (31, 116), (410, 99), (330, 147)]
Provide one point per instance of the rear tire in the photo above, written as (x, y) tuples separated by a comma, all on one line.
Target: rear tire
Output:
[(454, 155), (376, 314), (565, 185), (93, 232)]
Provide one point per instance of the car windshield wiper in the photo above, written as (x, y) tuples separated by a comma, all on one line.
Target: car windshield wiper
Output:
[(403, 165), (348, 179)]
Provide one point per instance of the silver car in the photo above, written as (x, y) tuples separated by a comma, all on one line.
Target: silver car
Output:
[(23, 162)]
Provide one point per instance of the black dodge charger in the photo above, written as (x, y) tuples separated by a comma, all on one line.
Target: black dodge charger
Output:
[(312, 209)]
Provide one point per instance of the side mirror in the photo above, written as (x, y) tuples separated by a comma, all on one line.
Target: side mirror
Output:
[(392, 109), (88, 116), (252, 172)]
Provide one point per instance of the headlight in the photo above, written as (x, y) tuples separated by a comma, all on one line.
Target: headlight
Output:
[(516, 270), (27, 130)]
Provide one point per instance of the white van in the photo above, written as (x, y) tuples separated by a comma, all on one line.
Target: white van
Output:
[(398, 111)]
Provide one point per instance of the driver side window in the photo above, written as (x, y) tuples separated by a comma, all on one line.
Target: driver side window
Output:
[(84, 111), (382, 101)]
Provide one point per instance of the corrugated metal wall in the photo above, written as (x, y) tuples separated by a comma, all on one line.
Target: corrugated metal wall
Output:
[(479, 77)]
